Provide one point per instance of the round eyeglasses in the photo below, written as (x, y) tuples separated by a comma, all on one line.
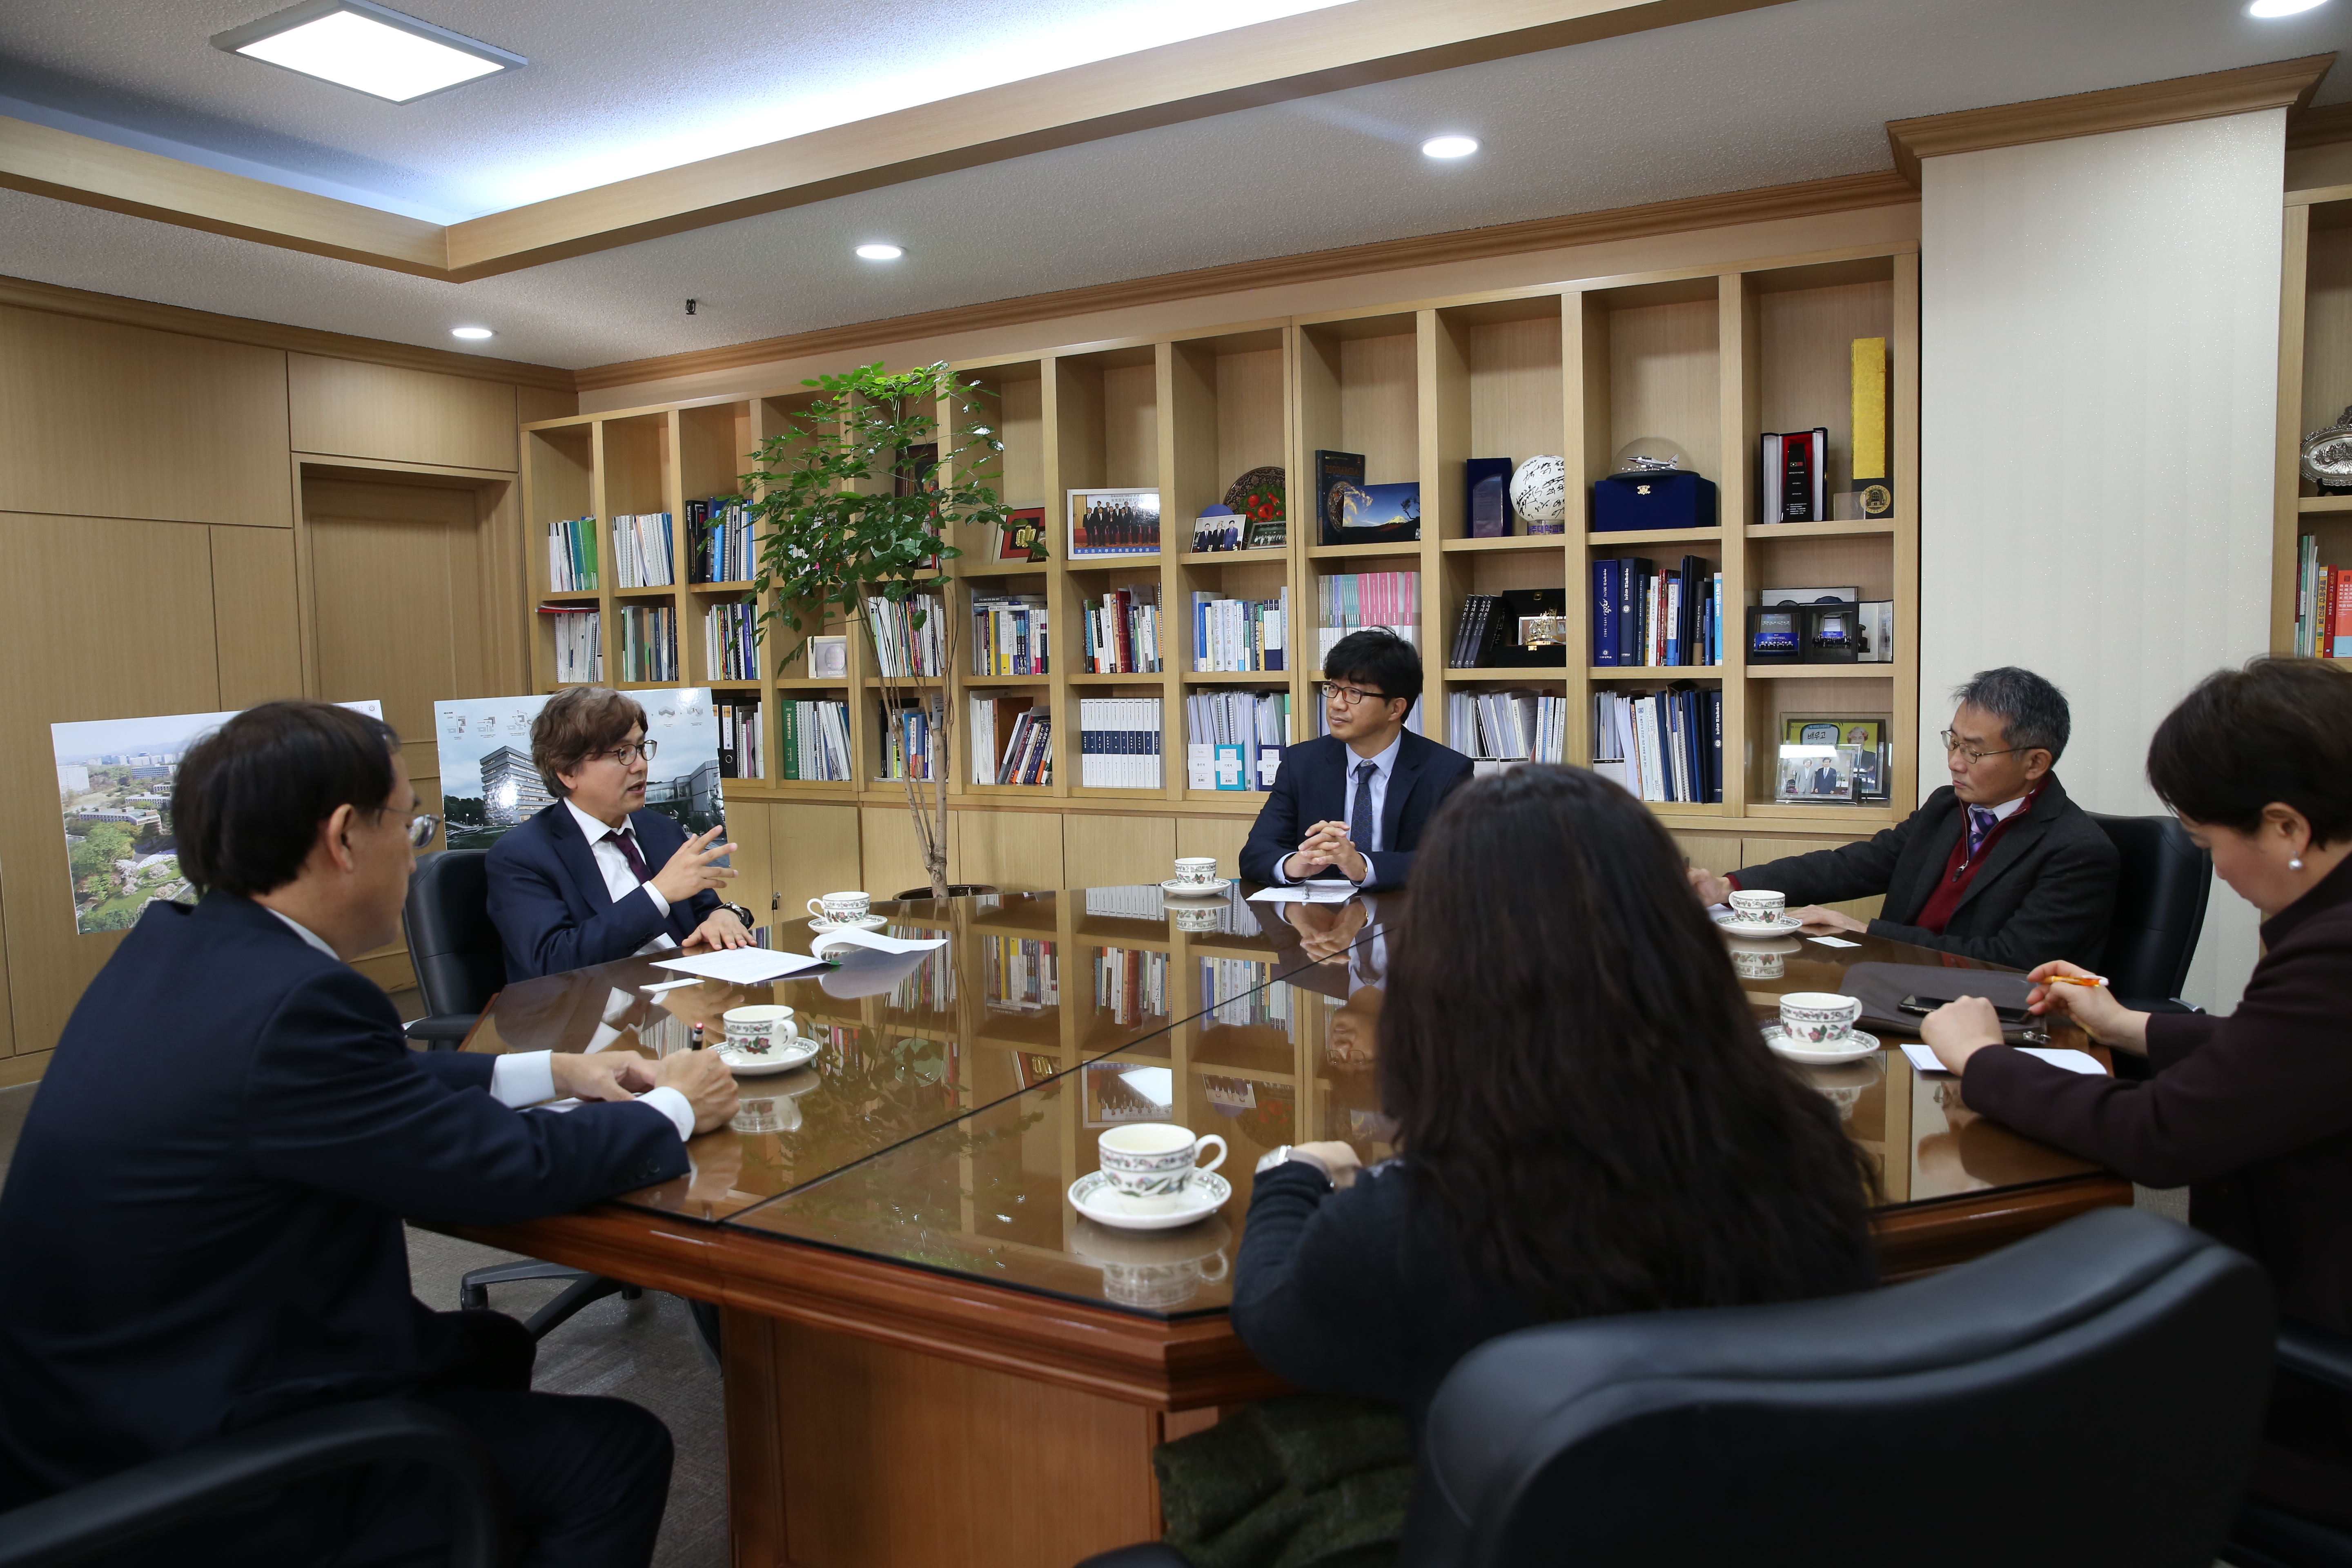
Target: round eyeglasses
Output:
[(1349, 696), (421, 830), (621, 754)]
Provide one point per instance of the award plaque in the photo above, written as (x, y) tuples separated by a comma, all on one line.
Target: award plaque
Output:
[(2327, 455)]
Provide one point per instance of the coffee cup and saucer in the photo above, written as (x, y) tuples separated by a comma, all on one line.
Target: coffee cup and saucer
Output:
[(1196, 878), (846, 910), (1759, 913), (763, 1039), (1151, 1178), (1817, 1028)]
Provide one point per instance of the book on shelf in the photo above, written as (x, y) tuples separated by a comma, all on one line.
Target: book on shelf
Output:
[(2323, 614), (721, 532), (1012, 739), (816, 740), (1234, 990), (579, 643), (1506, 726), (910, 729), (1794, 478), (1130, 984), (1661, 745), (1339, 484), (1488, 502), (1239, 634), (730, 635), (649, 643), (1246, 730), (1355, 601), (1642, 618), (1114, 522), (571, 555), (909, 637), (1024, 973), (642, 551), (1122, 631), (1008, 635), (1118, 742), (742, 752)]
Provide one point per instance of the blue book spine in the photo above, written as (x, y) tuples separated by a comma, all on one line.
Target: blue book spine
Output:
[(1715, 771)]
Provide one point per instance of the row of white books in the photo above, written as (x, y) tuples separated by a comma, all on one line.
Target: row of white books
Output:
[(1506, 726), (579, 644), (1118, 742), (909, 638), (1239, 634), (1234, 740), (643, 551), (571, 555), (1233, 991)]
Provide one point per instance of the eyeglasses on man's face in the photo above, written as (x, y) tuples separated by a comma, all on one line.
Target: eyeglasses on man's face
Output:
[(621, 754), (1956, 747), (1349, 696), (421, 830)]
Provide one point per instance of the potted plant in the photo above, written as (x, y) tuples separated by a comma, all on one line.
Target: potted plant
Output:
[(858, 501)]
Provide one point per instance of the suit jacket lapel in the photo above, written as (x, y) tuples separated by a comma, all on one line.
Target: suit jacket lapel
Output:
[(2011, 846), (1408, 768), (578, 859)]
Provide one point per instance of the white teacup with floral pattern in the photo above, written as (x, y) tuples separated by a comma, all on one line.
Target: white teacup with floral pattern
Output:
[(1819, 1017), (1151, 1163)]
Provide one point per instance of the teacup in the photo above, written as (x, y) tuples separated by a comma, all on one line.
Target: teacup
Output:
[(1759, 907), (760, 1029), (1759, 965), (1196, 870), (1196, 920), (1818, 1018), (843, 908), (1151, 1163)]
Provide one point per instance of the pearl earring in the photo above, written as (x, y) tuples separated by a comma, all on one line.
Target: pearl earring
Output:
[(2296, 864)]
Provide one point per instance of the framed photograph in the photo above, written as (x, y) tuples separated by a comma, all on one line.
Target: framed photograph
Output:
[(1872, 772), (1816, 775), (1118, 1093), (1114, 522), (828, 658), (1022, 537), (1267, 533), (1830, 731)]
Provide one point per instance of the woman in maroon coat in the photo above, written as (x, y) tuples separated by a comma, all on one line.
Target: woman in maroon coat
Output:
[(2253, 1112)]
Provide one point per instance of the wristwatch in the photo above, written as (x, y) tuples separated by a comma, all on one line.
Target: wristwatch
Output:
[(740, 913), (1286, 1155)]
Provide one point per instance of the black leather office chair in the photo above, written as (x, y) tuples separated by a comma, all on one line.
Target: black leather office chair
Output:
[(2265, 1536), (174, 1493), (459, 960), (2091, 1396), (2161, 888)]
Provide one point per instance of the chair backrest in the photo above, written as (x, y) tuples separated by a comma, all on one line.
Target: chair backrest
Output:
[(2092, 1395), (459, 960), (2160, 893)]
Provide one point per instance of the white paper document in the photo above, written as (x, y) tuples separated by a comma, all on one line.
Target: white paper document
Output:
[(1318, 892), (2072, 1061), (876, 940), (1832, 942), (739, 965)]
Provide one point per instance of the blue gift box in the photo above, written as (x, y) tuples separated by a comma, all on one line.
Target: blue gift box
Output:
[(1671, 497)]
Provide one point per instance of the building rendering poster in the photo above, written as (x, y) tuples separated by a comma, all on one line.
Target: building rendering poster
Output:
[(488, 784), (114, 788)]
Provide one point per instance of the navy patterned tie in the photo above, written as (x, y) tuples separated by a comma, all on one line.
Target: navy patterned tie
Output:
[(1980, 821), (1361, 829), (628, 841)]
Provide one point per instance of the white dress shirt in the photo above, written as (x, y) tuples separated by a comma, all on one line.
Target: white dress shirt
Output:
[(619, 880), (527, 1077), (1369, 840)]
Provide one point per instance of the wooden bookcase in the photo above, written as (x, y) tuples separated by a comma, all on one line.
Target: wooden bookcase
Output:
[(1708, 358), (2315, 386)]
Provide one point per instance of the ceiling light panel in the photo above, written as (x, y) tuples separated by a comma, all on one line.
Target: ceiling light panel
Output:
[(1450, 146), (367, 48), (2283, 7)]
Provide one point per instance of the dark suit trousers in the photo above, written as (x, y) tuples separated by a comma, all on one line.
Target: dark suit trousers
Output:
[(586, 1480)]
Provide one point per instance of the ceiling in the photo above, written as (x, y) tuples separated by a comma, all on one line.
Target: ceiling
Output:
[(1789, 92)]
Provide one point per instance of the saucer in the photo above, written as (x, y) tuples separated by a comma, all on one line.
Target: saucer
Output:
[(1092, 1195), (746, 1065), (1176, 890), (1732, 925), (1856, 1046), (871, 922)]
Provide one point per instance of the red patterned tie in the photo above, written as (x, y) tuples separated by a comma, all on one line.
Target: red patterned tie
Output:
[(628, 841)]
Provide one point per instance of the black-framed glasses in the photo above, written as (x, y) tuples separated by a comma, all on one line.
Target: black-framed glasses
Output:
[(621, 754), (421, 830), (1954, 745), (1349, 696)]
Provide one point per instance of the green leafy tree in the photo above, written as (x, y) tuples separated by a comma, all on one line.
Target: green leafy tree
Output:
[(859, 497)]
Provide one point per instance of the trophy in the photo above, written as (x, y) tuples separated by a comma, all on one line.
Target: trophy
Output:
[(2327, 455)]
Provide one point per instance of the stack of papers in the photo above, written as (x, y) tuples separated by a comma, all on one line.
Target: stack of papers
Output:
[(1325, 892), (2072, 1061), (875, 940), (739, 965)]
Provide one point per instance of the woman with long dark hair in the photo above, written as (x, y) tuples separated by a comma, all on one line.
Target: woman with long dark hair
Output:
[(1590, 1122)]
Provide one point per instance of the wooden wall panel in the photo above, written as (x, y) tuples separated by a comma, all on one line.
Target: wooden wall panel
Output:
[(100, 420), (353, 410), (254, 615), (811, 849), (107, 619), (1754, 851), (1117, 851), (1018, 851), (887, 845), (1718, 852), (1220, 835), (754, 860), (544, 403)]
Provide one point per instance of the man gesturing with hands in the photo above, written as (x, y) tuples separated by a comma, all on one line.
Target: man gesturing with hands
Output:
[(577, 884)]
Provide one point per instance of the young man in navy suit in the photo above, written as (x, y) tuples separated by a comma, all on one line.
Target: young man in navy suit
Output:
[(1354, 804), (576, 885), (201, 1228)]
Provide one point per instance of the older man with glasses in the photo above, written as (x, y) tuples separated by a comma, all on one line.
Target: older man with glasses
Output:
[(1998, 865), (1352, 805), (576, 884)]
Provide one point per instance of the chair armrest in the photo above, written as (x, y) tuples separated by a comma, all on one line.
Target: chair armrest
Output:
[(1145, 1554), (243, 1465), (445, 1032), (2323, 1358)]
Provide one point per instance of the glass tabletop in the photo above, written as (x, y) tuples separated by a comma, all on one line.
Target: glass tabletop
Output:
[(988, 1196), (1025, 989)]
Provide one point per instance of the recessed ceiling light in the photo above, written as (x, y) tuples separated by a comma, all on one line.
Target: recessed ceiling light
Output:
[(359, 45), (880, 252), (1450, 146), (472, 334), (2282, 7)]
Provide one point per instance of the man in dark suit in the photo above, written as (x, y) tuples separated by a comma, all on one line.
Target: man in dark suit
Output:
[(1354, 804), (576, 886), (1998, 865), (202, 1224)]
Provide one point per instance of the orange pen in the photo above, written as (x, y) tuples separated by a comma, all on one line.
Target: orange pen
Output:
[(2090, 980)]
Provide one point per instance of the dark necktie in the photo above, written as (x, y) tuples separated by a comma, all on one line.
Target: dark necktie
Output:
[(1980, 821), (1361, 829), (628, 841)]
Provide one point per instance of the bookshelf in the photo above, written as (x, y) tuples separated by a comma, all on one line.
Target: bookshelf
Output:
[(1708, 358), (2314, 387)]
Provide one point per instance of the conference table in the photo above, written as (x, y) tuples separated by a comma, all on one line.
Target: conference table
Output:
[(928, 1355)]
